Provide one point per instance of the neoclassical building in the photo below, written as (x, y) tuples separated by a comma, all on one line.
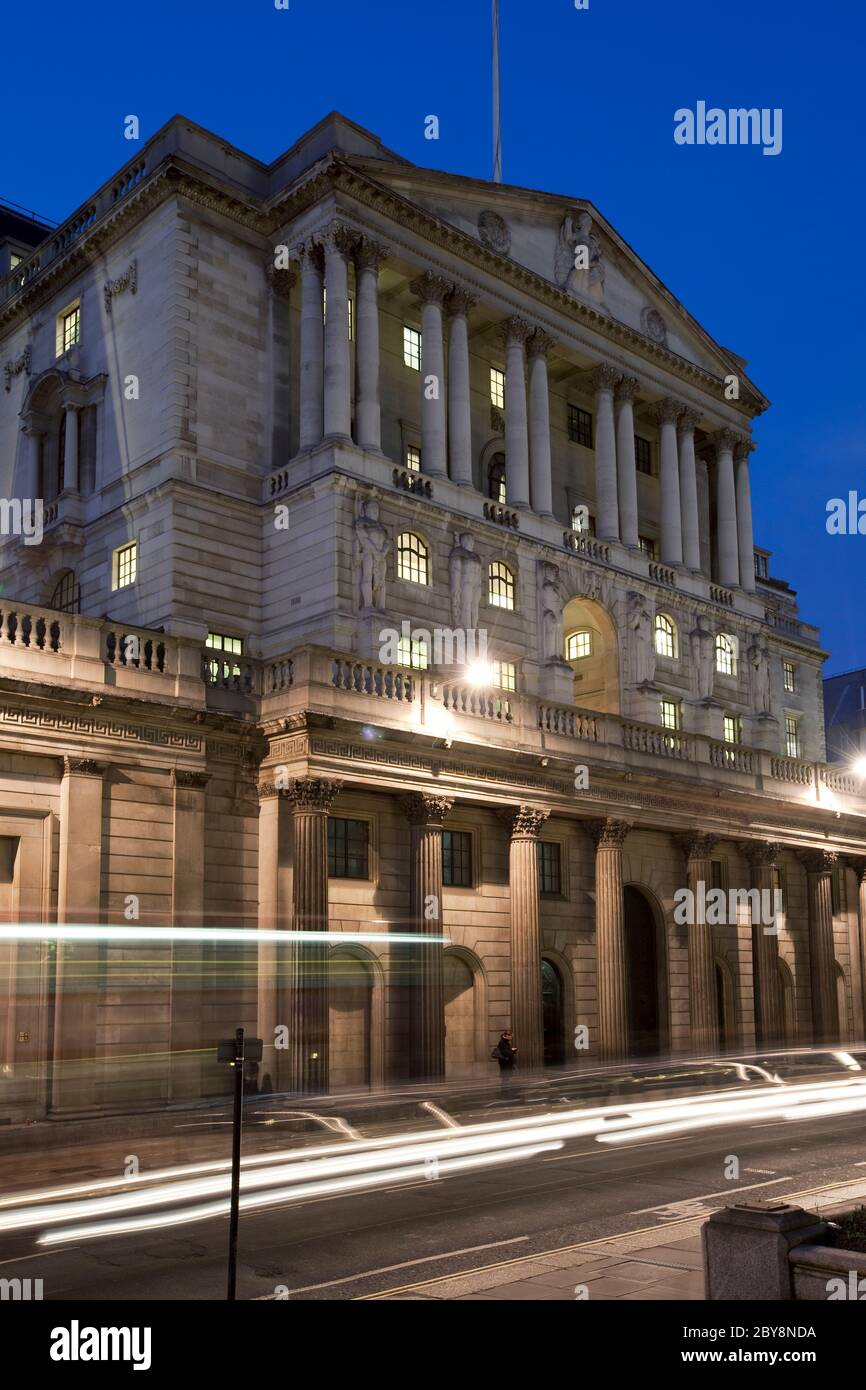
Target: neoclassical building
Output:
[(396, 586)]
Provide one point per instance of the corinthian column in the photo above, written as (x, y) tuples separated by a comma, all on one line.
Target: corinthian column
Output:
[(459, 398), (667, 414), (538, 347), (703, 1005), (691, 526), (819, 865), (769, 1024), (432, 291), (427, 1002), (613, 1031), (368, 258), (726, 510), (306, 1008), (514, 335), (626, 471), (524, 824), (604, 378), (338, 406), (311, 346), (745, 538)]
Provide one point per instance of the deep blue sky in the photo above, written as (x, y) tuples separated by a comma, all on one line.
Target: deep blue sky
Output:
[(767, 253)]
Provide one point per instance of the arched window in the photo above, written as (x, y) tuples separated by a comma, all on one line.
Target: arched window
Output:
[(500, 585), (726, 654), (496, 478), (578, 645), (665, 635), (67, 594), (413, 559)]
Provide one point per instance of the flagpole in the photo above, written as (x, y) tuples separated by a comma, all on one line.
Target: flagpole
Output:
[(497, 125)]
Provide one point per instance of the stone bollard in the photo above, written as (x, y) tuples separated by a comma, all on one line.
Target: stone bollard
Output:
[(746, 1249)]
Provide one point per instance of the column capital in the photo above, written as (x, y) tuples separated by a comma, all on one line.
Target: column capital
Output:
[(627, 388), (667, 410), (818, 861), (308, 252), (421, 808), (609, 833), (460, 302), (313, 793), (859, 867), (523, 822), (514, 330), (269, 790), (369, 254), (688, 421), (83, 767), (189, 781), (743, 447), (761, 853), (282, 282), (604, 377), (725, 440), (430, 288), (539, 343), (337, 237), (696, 844)]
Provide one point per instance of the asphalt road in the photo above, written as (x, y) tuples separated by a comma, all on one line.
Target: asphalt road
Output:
[(341, 1247)]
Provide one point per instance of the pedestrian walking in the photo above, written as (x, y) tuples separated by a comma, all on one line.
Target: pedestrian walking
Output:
[(505, 1054)]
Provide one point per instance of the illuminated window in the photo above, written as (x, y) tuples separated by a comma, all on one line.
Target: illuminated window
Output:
[(497, 388), (549, 868), (413, 559), (732, 729), (496, 478), (665, 635), (648, 546), (726, 655), (223, 669), (790, 675), (505, 675), (67, 594), (124, 565), (578, 644), (670, 714), (792, 736), (412, 348), (68, 328), (413, 458), (14, 259), (580, 426), (456, 859), (348, 848), (413, 651), (500, 585), (643, 455)]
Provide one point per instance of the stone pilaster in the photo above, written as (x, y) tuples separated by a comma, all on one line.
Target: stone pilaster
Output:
[(459, 393), (769, 1020), (668, 412), (743, 491), (427, 997), (604, 379), (187, 910), (337, 243), (514, 335), (819, 865), (626, 471), (306, 1007), (691, 526), (613, 1029), (538, 347), (368, 415), (703, 1005), (524, 824), (726, 510), (311, 352), (432, 291)]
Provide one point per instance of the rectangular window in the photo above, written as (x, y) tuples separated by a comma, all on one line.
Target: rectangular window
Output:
[(792, 736), (790, 675), (68, 328), (413, 458), (643, 455), (648, 546), (412, 348), (224, 670), (580, 426), (670, 714), (505, 675), (716, 873), (412, 651), (549, 870), (456, 859), (762, 568), (732, 729), (497, 388), (124, 566), (14, 259), (348, 848)]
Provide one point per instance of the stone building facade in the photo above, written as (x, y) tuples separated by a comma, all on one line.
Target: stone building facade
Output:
[(396, 576)]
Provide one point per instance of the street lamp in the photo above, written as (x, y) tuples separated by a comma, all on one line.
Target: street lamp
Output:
[(479, 673), (858, 767)]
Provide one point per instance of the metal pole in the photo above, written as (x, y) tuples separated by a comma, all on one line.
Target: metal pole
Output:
[(497, 123), (237, 1123)]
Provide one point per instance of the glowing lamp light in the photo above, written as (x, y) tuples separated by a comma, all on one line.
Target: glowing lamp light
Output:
[(480, 673), (859, 768)]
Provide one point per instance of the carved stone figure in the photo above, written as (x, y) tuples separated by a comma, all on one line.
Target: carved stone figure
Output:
[(702, 649), (653, 325), (759, 669), (371, 540), (581, 275), (493, 231), (552, 602), (640, 627), (466, 583)]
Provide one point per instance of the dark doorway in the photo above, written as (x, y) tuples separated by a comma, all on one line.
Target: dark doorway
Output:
[(643, 1013), (727, 1040), (551, 1004)]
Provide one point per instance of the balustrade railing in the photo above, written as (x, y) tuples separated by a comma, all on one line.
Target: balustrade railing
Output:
[(472, 700), (366, 678)]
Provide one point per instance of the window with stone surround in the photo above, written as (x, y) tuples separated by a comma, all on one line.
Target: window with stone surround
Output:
[(732, 728), (580, 426), (497, 388), (666, 636), (726, 654), (578, 645), (124, 565), (348, 848), (496, 479), (648, 546), (549, 868), (792, 736), (411, 348), (66, 597), (790, 674), (223, 668), (500, 585), (413, 458), (456, 859), (643, 455), (68, 327), (413, 559), (414, 652), (505, 675), (670, 714)]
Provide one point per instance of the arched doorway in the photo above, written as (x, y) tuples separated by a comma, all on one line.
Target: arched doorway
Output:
[(351, 1018), (459, 983), (591, 652), (553, 1014), (646, 975)]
